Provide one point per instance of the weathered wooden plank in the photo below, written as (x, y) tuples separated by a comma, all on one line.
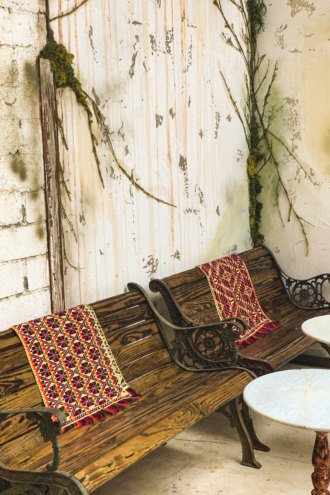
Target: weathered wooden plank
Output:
[(187, 277), (280, 337), (291, 350), (260, 265), (264, 277), (54, 229), (146, 364), (8, 340), (202, 310), (254, 253), (117, 303), (15, 371), (134, 352), (274, 300), (10, 360), (126, 317), (136, 419), (268, 288), (15, 380), (120, 337), (110, 464), (189, 292)]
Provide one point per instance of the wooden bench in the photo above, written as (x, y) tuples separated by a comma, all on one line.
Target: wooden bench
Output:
[(291, 302), (172, 399), (189, 301)]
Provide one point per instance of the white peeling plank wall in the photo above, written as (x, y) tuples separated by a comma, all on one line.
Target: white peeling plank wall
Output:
[(152, 68)]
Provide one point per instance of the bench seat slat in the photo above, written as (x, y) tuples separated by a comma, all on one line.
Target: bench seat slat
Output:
[(17, 426), (120, 428), (277, 340), (114, 462)]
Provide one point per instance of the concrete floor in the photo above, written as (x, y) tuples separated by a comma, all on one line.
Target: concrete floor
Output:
[(206, 458)]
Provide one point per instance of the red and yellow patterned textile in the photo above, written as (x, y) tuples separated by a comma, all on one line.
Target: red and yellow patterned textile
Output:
[(74, 367), (234, 295)]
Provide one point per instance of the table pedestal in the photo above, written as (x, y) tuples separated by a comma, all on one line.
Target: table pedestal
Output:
[(321, 463)]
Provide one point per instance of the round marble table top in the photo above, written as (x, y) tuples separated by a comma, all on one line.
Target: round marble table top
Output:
[(318, 328), (298, 398)]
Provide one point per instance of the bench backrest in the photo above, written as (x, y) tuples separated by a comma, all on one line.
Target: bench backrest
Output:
[(133, 336), (192, 292)]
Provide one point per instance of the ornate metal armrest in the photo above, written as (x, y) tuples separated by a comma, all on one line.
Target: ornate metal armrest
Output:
[(48, 428), (214, 343), (305, 294)]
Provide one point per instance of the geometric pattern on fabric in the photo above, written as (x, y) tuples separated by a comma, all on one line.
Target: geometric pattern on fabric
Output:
[(234, 295), (74, 367)]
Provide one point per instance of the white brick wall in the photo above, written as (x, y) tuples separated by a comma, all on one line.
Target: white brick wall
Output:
[(24, 275)]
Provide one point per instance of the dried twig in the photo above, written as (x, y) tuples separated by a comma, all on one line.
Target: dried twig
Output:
[(68, 13), (105, 131)]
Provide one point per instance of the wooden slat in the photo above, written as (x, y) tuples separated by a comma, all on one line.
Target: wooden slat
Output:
[(202, 310), (126, 318), (10, 360), (120, 337), (18, 426), (268, 288), (13, 381), (136, 419), (187, 277), (280, 337), (8, 340), (117, 303), (253, 254), (274, 300), (291, 350), (146, 364), (189, 292), (260, 265), (110, 464), (133, 352), (265, 277)]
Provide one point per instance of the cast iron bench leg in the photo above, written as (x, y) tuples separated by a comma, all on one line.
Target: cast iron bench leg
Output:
[(257, 445)]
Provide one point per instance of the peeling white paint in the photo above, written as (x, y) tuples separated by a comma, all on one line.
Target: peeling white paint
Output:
[(301, 104), (153, 71)]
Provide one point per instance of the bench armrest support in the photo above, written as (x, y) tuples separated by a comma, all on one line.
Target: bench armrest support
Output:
[(305, 294), (48, 428), (214, 343)]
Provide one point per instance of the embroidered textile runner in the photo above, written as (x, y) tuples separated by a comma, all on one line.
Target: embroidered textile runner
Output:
[(234, 295), (74, 367)]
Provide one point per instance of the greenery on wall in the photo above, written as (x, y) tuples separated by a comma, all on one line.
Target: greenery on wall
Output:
[(255, 120)]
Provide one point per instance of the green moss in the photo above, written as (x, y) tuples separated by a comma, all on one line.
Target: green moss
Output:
[(61, 64), (64, 77)]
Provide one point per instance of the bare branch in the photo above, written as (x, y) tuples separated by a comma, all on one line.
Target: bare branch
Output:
[(68, 13), (292, 155), (235, 106), (100, 121)]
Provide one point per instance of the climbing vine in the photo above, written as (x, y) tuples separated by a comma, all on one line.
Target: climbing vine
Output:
[(255, 121)]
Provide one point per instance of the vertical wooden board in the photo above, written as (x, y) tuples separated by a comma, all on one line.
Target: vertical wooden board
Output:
[(53, 202)]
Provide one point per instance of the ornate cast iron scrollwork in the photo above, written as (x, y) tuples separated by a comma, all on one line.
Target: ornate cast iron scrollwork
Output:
[(305, 294), (17, 482), (197, 346)]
